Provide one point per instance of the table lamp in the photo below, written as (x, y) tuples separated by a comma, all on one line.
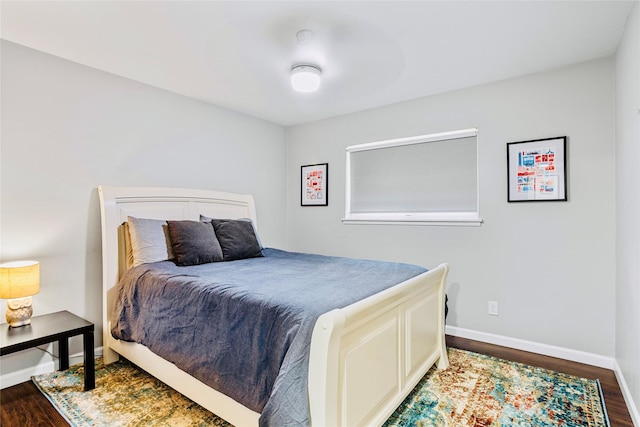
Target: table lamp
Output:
[(18, 281)]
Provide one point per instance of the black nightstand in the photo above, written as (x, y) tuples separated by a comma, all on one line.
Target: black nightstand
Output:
[(49, 328)]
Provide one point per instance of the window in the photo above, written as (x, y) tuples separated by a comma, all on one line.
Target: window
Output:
[(428, 179)]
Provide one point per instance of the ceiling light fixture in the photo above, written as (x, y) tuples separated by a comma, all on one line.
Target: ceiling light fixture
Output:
[(305, 78)]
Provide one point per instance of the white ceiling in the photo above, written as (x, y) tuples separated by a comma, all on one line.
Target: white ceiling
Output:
[(238, 54)]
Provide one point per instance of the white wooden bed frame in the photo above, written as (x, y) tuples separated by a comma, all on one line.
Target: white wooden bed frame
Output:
[(365, 358)]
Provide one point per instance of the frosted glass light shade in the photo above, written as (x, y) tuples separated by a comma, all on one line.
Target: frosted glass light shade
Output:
[(305, 78), (19, 279)]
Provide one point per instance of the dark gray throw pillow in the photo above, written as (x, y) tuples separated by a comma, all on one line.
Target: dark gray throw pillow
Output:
[(237, 239), (193, 242), (205, 218)]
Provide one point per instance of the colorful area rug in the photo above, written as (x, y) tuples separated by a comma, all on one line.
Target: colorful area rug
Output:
[(476, 391), (482, 391)]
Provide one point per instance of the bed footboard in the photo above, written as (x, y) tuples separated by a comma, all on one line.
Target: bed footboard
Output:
[(385, 344)]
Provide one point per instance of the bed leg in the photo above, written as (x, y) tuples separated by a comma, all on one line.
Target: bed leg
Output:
[(109, 356), (443, 360)]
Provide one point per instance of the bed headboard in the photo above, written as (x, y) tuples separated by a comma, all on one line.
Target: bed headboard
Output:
[(117, 203)]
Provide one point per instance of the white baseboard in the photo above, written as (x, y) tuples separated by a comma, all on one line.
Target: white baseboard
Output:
[(534, 347), (633, 409), (12, 378), (17, 377)]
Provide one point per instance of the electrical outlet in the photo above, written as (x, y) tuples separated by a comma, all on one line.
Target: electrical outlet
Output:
[(493, 308)]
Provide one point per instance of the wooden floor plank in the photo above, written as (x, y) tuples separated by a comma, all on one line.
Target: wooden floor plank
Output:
[(24, 405)]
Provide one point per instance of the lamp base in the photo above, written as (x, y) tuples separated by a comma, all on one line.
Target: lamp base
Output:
[(19, 312)]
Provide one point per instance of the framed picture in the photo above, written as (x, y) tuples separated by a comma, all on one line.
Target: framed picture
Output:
[(537, 170), (314, 185)]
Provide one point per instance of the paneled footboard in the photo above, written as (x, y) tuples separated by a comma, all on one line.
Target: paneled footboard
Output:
[(385, 344)]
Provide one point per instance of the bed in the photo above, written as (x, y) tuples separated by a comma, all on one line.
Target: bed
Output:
[(362, 360)]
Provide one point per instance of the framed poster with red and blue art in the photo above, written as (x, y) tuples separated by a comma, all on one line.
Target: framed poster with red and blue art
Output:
[(537, 170), (315, 185)]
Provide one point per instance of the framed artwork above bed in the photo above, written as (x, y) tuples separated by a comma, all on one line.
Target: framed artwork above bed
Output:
[(314, 185)]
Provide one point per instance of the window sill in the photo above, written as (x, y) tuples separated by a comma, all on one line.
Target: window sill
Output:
[(456, 220)]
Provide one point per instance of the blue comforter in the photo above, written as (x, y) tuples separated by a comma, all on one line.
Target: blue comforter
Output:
[(244, 327)]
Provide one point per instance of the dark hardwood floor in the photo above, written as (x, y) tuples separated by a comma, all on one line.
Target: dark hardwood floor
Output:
[(23, 405)]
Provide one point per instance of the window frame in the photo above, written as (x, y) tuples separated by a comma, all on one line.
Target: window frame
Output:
[(412, 218)]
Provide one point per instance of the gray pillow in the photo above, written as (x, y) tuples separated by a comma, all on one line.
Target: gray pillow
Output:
[(205, 218), (237, 239), (149, 240), (193, 242)]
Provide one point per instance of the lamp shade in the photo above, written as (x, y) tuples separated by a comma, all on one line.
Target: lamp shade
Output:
[(305, 78), (19, 279)]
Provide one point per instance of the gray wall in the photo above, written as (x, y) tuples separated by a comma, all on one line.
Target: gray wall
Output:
[(549, 265), (67, 128), (628, 206)]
